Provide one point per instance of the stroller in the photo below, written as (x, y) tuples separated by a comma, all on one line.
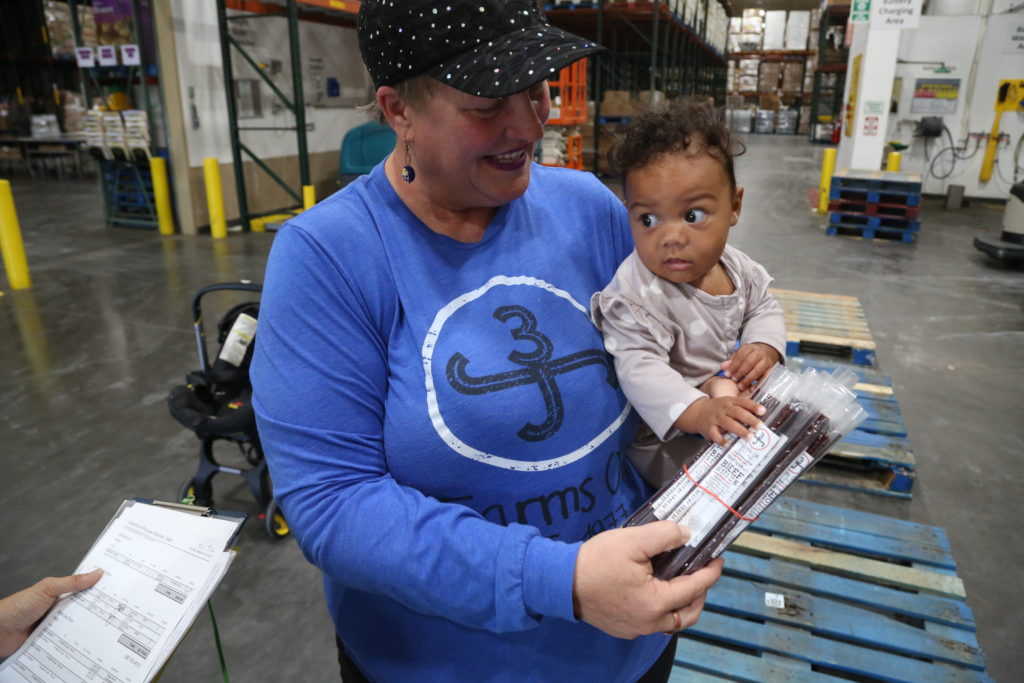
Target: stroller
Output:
[(216, 403)]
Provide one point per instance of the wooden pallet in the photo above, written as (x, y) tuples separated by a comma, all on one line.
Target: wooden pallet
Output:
[(867, 232), (826, 324), (867, 598), (877, 457), (878, 181)]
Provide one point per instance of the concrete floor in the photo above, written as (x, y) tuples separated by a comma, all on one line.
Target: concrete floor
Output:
[(88, 354)]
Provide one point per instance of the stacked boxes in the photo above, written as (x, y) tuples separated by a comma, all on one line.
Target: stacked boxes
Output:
[(774, 30), (875, 204), (136, 130), (93, 127), (751, 30), (785, 121), (798, 25), (113, 131), (61, 30), (747, 76), (771, 73)]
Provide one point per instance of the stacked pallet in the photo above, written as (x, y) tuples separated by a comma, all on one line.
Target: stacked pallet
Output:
[(826, 332), (813, 592), (875, 204)]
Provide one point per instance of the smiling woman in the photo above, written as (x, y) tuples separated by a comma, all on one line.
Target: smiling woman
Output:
[(445, 432)]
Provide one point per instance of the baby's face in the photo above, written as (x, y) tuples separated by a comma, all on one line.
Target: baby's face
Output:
[(681, 207)]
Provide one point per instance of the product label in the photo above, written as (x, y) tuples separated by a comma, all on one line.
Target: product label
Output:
[(795, 469), (726, 481), (776, 600), (241, 335), (679, 489)]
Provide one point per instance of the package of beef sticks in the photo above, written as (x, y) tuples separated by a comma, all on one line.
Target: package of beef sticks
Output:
[(725, 488)]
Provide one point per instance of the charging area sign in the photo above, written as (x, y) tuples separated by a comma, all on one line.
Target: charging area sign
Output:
[(895, 14)]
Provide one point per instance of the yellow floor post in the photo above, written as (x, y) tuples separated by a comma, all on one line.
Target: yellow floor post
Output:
[(308, 197), (11, 246), (892, 163), (162, 195), (214, 198), (828, 166)]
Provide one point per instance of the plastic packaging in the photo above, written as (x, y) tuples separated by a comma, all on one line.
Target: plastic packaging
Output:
[(725, 488)]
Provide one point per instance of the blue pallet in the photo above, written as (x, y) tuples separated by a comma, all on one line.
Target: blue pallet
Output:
[(856, 355), (874, 196), (877, 457), (836, 624), (869, 233), (892, 222)]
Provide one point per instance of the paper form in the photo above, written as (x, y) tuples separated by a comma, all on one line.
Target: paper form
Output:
[(160, 566)]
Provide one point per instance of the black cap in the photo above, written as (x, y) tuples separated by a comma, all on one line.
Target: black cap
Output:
[(488, 48)]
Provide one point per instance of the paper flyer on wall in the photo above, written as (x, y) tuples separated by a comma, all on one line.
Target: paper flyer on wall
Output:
[(161, 562)]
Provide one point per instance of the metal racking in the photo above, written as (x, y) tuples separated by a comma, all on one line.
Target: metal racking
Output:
[(331, 11), (649, 48)]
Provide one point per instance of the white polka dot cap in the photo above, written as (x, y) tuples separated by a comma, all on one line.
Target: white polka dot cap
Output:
[(488, 48)]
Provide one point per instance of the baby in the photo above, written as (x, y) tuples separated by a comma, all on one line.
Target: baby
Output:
[(687, 318)]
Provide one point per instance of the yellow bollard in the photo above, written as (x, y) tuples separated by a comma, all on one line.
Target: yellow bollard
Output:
[(214, 198), (828, 166), (892, 163), (308, 196), (162, 195), (11, 246)]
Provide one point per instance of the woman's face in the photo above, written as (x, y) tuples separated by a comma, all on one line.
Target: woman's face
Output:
[(471, 152)]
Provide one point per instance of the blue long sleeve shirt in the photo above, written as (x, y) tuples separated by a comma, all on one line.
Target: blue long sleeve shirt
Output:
[(444, 428)]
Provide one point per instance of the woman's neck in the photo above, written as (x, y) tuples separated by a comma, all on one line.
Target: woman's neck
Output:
[(464, 225)]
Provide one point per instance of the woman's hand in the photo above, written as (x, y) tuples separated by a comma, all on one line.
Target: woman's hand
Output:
[(615, 590), (20, 612)]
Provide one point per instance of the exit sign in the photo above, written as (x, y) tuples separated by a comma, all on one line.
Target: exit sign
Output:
[(860, 11)]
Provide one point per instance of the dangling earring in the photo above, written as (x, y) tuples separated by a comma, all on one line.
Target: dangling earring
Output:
[(408, 172)]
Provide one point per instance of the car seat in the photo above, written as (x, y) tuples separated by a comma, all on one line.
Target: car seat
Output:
[(216, 404)]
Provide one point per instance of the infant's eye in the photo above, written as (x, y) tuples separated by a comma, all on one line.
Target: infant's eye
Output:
[(696, 216), (649, 220)]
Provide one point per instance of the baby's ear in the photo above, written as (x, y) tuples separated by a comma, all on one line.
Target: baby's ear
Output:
[(737, 205)]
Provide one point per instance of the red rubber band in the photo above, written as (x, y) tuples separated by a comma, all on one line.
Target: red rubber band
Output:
[(712, 494)]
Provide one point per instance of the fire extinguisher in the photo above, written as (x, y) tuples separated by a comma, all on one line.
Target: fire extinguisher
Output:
[(837, 128)]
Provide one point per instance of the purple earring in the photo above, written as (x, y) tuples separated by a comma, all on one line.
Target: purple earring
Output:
[(408, 172)]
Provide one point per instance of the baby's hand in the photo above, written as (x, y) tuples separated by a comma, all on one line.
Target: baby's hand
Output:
[(750, 363), (714, 417)]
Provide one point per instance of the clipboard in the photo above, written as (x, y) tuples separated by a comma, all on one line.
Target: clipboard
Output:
[(161, 563)]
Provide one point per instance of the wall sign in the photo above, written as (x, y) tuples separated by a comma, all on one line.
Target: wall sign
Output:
[(935, 96), (860, 11), (895, 14), (107, 55), (86, 57), (130, 55)]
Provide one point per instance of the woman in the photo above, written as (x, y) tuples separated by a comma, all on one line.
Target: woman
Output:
[(444, 430)]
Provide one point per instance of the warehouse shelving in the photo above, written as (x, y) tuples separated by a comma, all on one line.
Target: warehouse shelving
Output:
[(338, 12), (830, 73), (649, 48)]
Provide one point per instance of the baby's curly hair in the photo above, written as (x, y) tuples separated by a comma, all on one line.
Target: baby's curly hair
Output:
[(687, 123)]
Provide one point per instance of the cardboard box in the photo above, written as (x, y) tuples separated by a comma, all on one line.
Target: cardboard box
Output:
[(798, 25), (616, 103), (774, 30), (792, 77), (771, 74), (647, 100)]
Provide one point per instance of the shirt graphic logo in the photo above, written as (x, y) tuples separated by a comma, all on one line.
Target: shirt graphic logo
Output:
[(538, 368), (516, 366)]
